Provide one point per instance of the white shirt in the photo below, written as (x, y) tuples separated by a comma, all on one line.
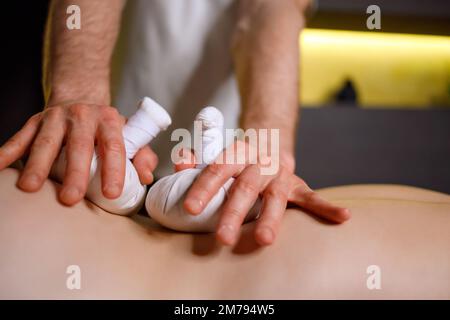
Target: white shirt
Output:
[(178, 53)]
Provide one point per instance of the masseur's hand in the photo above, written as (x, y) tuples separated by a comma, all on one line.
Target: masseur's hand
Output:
[(276, 191), (80, 127)]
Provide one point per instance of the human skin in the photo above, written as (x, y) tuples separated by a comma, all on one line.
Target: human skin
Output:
[(78, 114), (403, 230), (265, 54)]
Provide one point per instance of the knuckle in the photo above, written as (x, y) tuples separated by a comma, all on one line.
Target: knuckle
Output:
[(54, 112), (273, 192), (246, 187), (35, 118), (147, 158), (201, 191), (13, 143), (109, 112), (114, 145), (153, 158), (301, 182), (215, 170), (80, 144), (79, 111), (240, 145), (233, 212), (309, 196), (45, 141), (111, 125), (265, 160), (76, 174), (5, 151)]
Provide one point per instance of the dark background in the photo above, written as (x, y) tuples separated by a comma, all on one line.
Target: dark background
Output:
[(338, 144)]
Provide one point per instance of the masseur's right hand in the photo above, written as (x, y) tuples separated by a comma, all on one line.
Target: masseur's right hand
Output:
[(79, 127)]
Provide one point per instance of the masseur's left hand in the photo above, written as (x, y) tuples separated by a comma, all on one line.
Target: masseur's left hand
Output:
[(265, 52), (275, 189)]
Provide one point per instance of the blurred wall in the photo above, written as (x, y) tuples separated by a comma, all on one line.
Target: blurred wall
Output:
[(340, 144), (406, 16), (337, 144), (21, 34)]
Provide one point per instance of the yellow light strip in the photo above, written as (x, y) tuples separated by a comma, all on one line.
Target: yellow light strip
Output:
[(388, 70)]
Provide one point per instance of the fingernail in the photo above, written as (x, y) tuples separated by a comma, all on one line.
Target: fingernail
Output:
[(70, 194), (112, 189), (266, 235), (31, 180), (195, 205), (148, 175), (227, 234), (346, 214)]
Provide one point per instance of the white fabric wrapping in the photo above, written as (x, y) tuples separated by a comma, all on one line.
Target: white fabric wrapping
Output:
[(144, 126), (129, 201), (141, 128), (165, 198), (212, 136)]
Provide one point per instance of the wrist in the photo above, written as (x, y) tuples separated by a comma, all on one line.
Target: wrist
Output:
[(66, 93), (285, 144), (287, 160), (285, 127)]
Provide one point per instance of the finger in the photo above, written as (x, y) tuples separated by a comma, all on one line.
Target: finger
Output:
[(122, 120), (275, 198), (213, 177), (207, 184), (242, 196), (145, 162), (16, 146), (79, 151), (304, 197), (112, 150), (186, 160), (44, 151)]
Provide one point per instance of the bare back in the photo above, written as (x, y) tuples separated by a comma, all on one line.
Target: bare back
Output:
[(404, 231)]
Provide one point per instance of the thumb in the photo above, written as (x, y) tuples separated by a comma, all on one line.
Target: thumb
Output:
[(145, 162)]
